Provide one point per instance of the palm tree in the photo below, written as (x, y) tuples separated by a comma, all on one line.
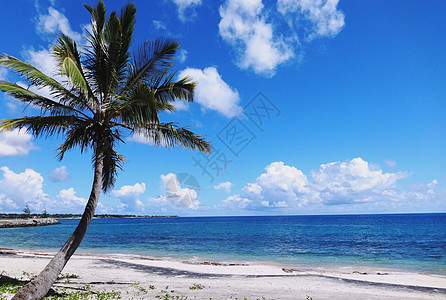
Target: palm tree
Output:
[(107, 92)]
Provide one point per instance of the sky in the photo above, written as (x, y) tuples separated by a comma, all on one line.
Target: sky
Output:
[(311, 106)]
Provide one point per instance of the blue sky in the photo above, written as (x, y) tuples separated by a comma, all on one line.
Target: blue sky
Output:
[(312, 107)]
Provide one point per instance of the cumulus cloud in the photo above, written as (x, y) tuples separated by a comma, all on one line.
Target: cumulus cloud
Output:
[(129, 196), (224, 186), (55, 22), (68, 202), (177, 195), (15, 142), (17, 189), (354, 182), (186, 8), (244, 26), (264, 39), (324, 19), (59, 174), (280, 186), (212, 92)]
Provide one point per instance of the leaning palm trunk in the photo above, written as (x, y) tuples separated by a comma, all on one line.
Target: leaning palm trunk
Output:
[(108, 92), (39, 287)]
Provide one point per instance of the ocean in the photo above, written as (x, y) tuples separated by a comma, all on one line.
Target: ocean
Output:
[(406, 242)]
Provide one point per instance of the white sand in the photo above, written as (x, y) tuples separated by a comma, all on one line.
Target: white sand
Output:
[(253, 281)]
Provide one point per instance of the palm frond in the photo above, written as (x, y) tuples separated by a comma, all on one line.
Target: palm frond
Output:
[(112, 41), (128, 13), (153, 58), (68, 57), (171, 135), (41, 125), (97, 16), (112, 162), (169, 91), (95, 55), (45, 104), (83, 135), (37, 78), (138, 107), (108, 56)]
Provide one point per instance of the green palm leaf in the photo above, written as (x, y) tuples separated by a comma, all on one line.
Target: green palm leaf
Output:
[(171, 135), (108, 91), (29, 97), (41, 125)]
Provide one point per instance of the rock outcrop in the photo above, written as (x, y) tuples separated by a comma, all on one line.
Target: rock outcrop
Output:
[(28, 222)]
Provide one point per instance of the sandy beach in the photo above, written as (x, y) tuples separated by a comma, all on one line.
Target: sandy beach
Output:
[(135, 277)]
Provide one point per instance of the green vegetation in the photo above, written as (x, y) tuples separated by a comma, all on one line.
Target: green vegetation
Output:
[(171, 297), (67, 276), (26, 210), (10, 286), (73, 216), (138, 287), (197, 286), (86, 296)]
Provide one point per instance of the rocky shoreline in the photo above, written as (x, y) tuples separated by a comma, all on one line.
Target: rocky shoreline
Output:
[(28, 222)]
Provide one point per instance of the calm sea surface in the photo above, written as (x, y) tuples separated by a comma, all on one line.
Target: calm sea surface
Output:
[(415, 242)]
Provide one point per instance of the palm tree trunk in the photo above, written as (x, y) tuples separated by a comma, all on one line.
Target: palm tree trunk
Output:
[(39, 287)]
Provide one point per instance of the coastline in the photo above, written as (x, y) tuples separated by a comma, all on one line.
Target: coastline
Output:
[(31, 222), (133, 276)]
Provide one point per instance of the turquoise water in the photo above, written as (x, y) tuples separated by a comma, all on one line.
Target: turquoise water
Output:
[(415, 242)]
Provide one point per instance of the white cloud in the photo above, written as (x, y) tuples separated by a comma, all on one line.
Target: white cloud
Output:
[(279, 183), (67, 201), (180, 105), (353, 182), (129, 196), (184, 6), (55, 22), (224, 186), (182, 55), (236, 201), (264, 38), (12, 104), (15, 142), (350, 183), (177, 195), (17, 189), (244, 27), (3, 73), (325, 19), (59, 174), (42, 60), (212, 92), (390, 163)]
